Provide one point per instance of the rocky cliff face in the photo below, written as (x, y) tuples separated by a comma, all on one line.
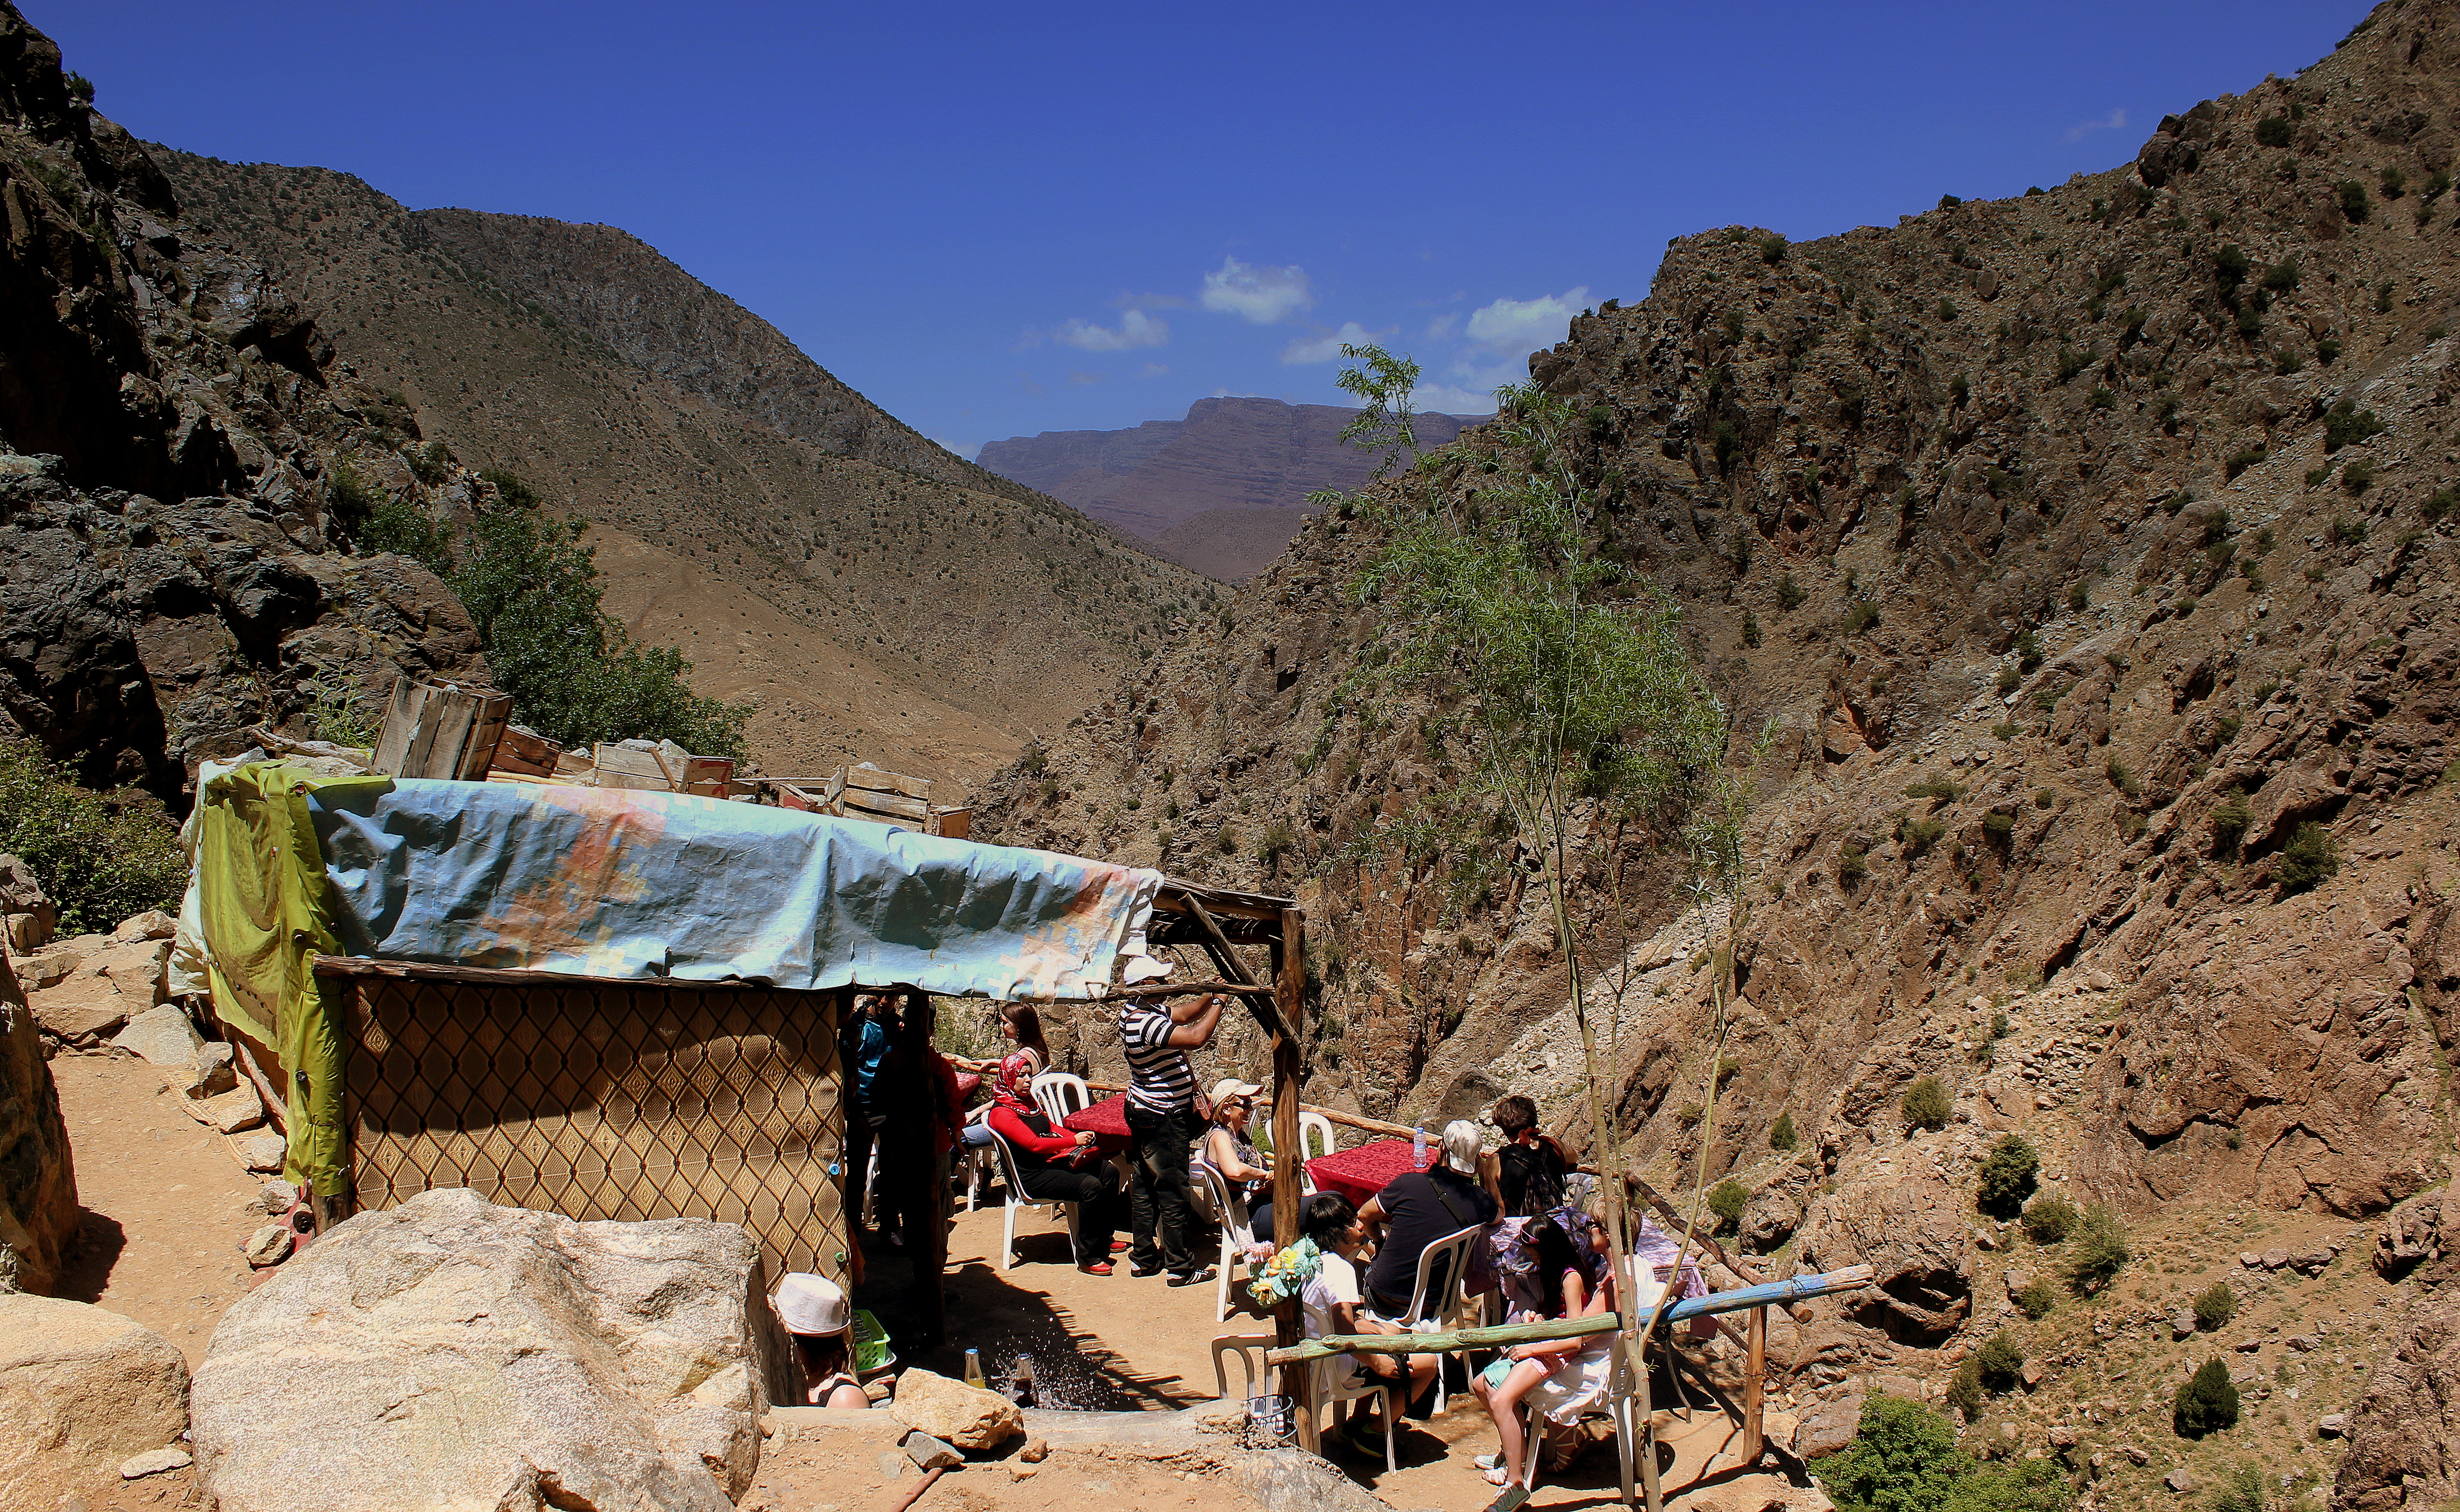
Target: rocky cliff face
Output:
[(2082, 547), (169, 569), (1222, 490), (871, 596)]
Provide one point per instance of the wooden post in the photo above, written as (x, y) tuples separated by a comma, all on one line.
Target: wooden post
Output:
[(1646, 1448), (1289, 998), (1753, 1387)]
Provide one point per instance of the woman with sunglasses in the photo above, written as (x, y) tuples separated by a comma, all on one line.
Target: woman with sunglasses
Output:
[(1230, 1151)]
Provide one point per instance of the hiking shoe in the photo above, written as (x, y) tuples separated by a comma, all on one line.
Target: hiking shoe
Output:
[(1192, 1277), (1097, 1267)]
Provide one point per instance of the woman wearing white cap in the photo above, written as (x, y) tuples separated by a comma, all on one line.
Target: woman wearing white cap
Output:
[(1228, 1150), (814, 1310)]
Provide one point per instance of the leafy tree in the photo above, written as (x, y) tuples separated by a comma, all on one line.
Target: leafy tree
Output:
[(1727, 1200), (2310, 856), (1904, 1457), (1926, 1104), (1571, 681), (575, 673), (99, 857), (2008, 1175), (2206, 1404)]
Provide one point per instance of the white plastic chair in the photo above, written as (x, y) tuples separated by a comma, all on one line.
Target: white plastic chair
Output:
[(1329, 1394), (1231, 1220), (1060, 1093), (1250, 1348), (977, 1156), (1311, 1126), (1449, 1258), (1016, 1199), (1620, 1408)]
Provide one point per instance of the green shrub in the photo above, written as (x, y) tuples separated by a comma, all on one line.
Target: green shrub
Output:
[(1964, 1391), (1998, 829), (1861, 616), (1726, 1200), (430, 464), (2230, 819), (2121, 778), (2099, 1252), (1904, 1457), (2001, 1360), (2344, 424), (1789, 592), (1935, 787), (1853, 865), (1781, 1135), (2239, 461), (2394, 183), (2273, 131), (2215, 1305), (2242, 1492), (2230, 268), (1773, 248), (2103, 398), (2038, 1299), (1926, 1104), (350, 497), (2348, 533), (2327, 350), (99, 857), (2073, 360), (2206, 1404), (2049, 1218), (1276, 842), (2358, 477), (1919, 836), (2009, 1173), (2310, 856), (2354, 202), (575, 673), (397, 525)]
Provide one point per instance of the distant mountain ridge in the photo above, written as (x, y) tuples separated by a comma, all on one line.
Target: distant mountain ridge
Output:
[(1222, 490)]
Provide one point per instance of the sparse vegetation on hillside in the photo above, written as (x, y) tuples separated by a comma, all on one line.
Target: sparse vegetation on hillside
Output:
[(1926, 1104), (2008, 1177), (1904, 1457), (2207, 1403)]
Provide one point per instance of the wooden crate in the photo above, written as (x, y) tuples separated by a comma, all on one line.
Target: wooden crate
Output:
[(441, 730), (527, 753)]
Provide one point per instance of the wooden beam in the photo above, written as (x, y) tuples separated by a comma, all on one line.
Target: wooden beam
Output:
[(1216, 944), (1189, 989), (1754, 1437), (1289, 982), (1853, 1278)]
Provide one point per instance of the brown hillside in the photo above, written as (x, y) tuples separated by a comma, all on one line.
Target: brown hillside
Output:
[(1222, 490), (971, 611), (2083, 453)]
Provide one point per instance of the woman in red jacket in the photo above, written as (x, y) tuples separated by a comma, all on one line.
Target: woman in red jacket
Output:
[(1062, 1166)]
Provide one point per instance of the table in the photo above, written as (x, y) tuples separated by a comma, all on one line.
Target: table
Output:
[(1106, 1121), (1361, 1172)]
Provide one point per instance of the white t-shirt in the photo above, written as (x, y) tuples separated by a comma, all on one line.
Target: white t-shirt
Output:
[(1335, 1281)]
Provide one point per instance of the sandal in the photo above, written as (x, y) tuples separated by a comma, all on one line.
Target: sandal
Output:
[(1489, 1461), (1495, 1475)]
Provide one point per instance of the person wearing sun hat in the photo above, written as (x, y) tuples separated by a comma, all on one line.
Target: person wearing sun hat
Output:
[(815, 1311), (1231, 1152)]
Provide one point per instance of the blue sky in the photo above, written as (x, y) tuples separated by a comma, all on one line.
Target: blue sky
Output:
[(999, 219)]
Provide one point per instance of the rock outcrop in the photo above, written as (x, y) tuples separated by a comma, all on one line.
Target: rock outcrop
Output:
[(172, 504), (2405, 1433), (449, 1352), (82, 1389), (38, 1199), (1914, 1236)]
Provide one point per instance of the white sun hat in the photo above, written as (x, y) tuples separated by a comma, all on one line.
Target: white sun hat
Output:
[(811, 1304)]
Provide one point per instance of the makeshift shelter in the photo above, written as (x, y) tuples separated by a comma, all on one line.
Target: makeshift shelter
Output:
[(620, 1003)]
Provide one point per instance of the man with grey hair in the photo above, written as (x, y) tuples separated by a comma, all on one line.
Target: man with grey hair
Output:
[(1419, 1209)]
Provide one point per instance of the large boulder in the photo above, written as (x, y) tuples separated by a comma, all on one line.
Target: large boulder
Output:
[(1913, 1234), (108, 988), (26, 917), (449, 1353), (1770, 1219), (967, 1417), (38, 1198), (2418, 1230), (81, 1390)]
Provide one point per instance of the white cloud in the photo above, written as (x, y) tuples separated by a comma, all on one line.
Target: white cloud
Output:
[(1442, 327), (1154, 370), (1081, 379), (1137, 328), (1263, 295), (1327, 348), (1445, 399), (1515, 327), (2117, 121)]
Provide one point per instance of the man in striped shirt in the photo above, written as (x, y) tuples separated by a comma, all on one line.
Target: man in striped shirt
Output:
[(1161, 1128)]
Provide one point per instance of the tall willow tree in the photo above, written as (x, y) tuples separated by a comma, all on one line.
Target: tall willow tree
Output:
[(1570, 679)]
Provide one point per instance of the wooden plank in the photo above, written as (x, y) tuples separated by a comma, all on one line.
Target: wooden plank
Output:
[(856, 804), (526, 750), (1754, 1439), (629, 766), (489, 715), (800, 799), (873, 778), (1267, 1012), (952, 824), (401, 718)]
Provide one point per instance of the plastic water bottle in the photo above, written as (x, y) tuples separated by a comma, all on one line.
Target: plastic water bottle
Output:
[(1418, 1146), (975, 1368)]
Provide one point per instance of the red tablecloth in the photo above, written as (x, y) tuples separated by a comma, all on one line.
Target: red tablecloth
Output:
[(1361, 1172), (1106, 1121)]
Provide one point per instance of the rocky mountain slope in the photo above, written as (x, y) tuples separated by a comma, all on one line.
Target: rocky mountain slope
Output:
[(1222, 490), (871, 595), (2084, 548), (172, 567)]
